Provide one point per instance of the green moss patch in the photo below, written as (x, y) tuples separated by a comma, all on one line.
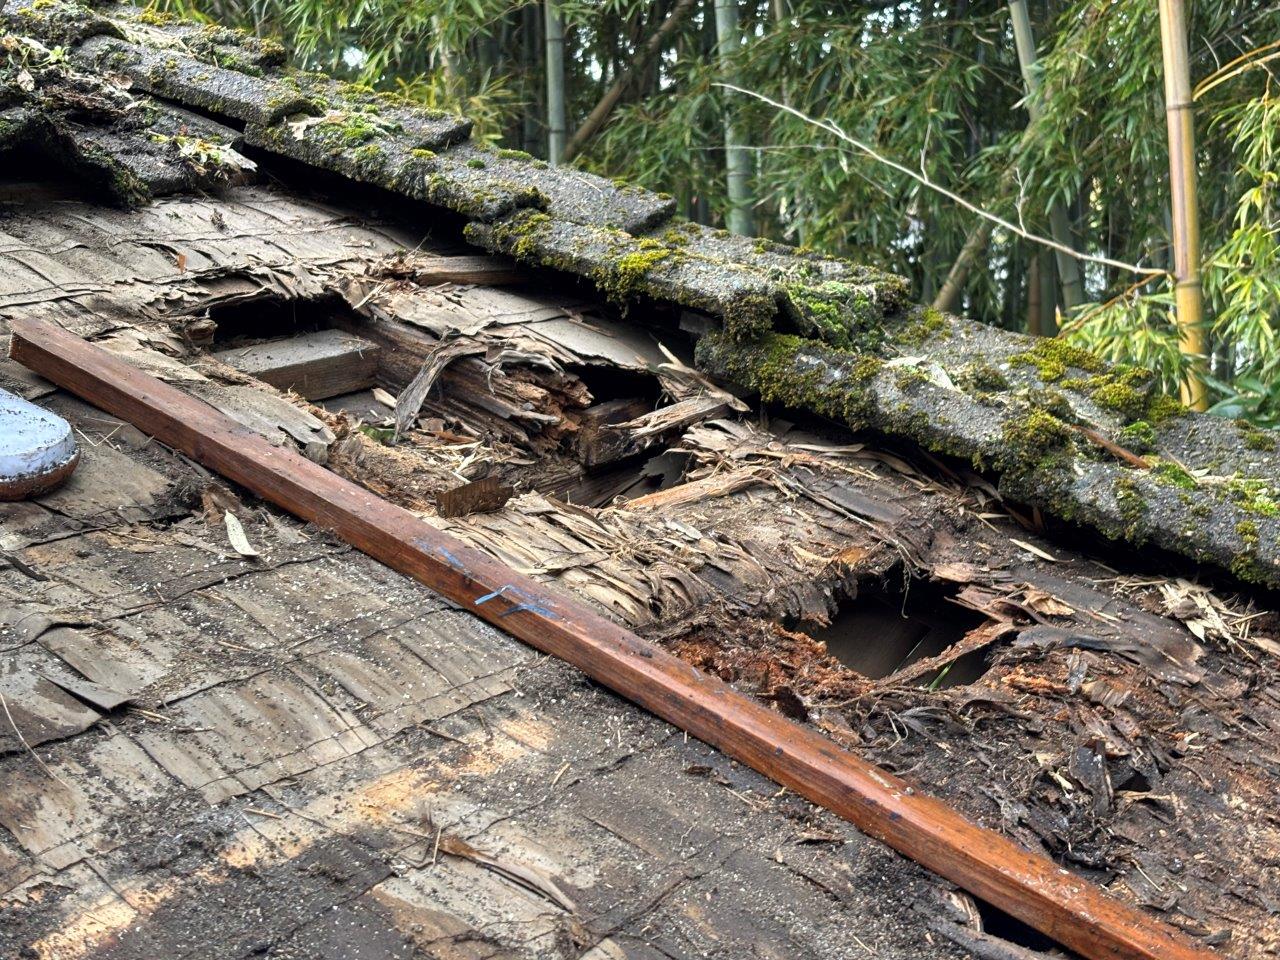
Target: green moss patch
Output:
[(1052, 358)]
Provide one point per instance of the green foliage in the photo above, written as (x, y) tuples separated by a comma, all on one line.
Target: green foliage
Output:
[(932, 85)]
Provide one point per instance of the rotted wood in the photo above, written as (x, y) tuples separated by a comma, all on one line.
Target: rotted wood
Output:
[(1032, 888), (492, 271), (598, 445)]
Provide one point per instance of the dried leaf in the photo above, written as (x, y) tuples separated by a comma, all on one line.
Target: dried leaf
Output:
[(1033, 550), (528, 876), (236, 534), (1047, 603)]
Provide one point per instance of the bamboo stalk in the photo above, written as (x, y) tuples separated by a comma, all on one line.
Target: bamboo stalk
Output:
[(737, 158), (949, 294), (1034, 317), (531, 47), (1188, 296), (1059, 225), (556, 120), (1069, 275)]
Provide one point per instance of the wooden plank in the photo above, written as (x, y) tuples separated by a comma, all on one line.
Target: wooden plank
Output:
[(1030, 887), (317, 365), (492, 271)]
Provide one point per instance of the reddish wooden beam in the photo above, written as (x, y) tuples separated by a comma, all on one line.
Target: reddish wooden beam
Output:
[(1030, 887)]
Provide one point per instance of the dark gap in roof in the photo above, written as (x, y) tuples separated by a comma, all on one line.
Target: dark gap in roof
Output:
[(1068, 536), (612, 383), (35, 165), (426, 221), (646, 473), (326, 352), (1125, 555), (882, 630), (997, 923), (265, 318), (302, 345), (189, 106)]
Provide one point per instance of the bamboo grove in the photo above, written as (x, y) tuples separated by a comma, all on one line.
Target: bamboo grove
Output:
[(1067, 142)]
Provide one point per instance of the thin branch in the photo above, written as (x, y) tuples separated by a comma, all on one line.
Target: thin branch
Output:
[(23, 740), (1234, 69), (1078, 322), (835, 131), (643, 57)]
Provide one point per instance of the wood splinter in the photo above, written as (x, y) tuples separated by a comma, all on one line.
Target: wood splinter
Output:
[(1028, 886)]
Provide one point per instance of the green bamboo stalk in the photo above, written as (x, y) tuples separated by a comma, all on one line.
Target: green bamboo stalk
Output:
[(1059, 224), (556, 119), (1188, 296), (737, 158)]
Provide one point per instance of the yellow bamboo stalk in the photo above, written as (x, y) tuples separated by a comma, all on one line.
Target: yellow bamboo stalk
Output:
[(1188, 296)]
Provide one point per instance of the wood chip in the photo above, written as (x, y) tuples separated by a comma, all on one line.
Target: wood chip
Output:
[(479, 496)]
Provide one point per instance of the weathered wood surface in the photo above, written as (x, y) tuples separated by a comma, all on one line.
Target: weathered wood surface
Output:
[(1027, 886), (597, 443), (427, 270), (317, 365)]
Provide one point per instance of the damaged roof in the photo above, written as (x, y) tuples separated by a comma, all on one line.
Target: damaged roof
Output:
[(294, 752)]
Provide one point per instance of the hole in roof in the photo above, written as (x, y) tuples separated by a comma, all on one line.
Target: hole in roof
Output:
[(34, 174), (881, 631), (1009, 928), (246, 322), (549, 430)]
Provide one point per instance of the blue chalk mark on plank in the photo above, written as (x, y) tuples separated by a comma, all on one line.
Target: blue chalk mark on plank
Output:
[(450, 559), (526, 602)]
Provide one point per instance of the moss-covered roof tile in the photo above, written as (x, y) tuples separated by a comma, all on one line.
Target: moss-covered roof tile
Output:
[(55, 22), (572, 195), (360, 147), (417, 127), (624, 267), (194, 83)]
